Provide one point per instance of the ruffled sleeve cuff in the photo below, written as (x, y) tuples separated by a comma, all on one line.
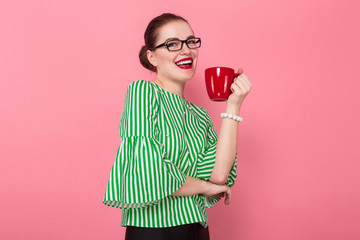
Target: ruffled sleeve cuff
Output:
[(141, 175)]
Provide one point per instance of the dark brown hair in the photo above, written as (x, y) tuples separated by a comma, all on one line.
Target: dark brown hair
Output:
[(151, 35)]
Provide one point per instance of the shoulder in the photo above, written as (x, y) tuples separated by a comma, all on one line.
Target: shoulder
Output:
[(140, 94), (139, 112), (140, 89), (138, 86)]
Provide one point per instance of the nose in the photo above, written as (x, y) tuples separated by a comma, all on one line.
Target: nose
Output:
[(185, 49)]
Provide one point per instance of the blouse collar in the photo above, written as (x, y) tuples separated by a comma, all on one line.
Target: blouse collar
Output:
[(172, 95)]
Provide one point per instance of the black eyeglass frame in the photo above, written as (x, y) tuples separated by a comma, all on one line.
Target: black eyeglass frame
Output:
[(182, 44)]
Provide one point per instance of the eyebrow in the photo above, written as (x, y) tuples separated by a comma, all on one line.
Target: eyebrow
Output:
[(169, 39)]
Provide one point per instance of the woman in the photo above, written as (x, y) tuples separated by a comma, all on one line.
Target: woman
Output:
[(171, 164)]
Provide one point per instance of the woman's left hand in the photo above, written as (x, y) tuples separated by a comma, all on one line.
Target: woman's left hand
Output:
[(240, 88)]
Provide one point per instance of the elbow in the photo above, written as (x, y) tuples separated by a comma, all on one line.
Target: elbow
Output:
[(219, 179)]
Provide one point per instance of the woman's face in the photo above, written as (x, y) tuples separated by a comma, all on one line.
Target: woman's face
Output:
[(167, 62)]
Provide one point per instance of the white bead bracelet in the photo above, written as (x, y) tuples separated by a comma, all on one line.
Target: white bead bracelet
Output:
[(229, 115)]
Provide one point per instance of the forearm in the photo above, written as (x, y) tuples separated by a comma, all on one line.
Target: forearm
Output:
[(226, 147), (192, 186)]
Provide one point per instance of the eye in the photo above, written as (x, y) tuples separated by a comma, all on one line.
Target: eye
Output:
[(192, 41), (172, 43)]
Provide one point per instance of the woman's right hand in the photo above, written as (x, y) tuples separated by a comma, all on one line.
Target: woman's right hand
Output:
[(215, 190)]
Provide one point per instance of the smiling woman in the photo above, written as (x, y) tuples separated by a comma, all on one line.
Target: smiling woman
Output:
[(170, 164), (171, 57)]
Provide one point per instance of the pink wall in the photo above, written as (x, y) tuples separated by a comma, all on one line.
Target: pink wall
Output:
[(64, 66)]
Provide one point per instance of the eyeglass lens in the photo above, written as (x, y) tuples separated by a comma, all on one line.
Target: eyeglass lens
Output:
[(177, 44)]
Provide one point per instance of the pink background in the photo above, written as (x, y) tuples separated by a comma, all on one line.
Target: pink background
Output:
[(64, 68)]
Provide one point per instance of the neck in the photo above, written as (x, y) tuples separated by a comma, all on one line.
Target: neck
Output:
[(170, 86)]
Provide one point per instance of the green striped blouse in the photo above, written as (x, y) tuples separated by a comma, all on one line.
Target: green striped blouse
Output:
[(164, 138)]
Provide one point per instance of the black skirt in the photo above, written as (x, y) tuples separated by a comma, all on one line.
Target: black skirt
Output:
[(193, 231)]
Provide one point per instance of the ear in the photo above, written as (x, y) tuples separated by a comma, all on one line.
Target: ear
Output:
[(151, 58)]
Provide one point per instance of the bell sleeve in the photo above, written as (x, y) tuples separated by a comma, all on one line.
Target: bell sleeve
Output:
[(141, 174), (206, 162)]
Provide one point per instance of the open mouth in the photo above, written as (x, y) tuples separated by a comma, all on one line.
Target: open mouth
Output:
[(185, 63)]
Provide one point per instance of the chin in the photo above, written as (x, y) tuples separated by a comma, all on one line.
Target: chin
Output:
[(186, 77)]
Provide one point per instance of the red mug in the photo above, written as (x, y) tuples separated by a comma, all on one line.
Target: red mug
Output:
[(218, 82)]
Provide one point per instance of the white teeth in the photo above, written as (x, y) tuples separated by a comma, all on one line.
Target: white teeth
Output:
[(184, 62)]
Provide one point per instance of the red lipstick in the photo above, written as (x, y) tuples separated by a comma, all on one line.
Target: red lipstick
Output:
[(185, 63)]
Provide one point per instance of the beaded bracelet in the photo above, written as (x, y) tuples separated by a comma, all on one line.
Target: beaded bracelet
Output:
[(231, 116)]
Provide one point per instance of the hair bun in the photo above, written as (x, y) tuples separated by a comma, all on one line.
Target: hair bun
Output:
[(144, 60)]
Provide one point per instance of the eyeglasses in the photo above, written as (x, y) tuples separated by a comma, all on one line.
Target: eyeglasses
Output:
[(176, 45)]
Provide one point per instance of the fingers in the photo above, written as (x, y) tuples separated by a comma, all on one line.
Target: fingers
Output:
[(243, 88), (235, 88), (220, 195), (241, 85), (242, 79), (220, 191), (239, 88), (226, 193), (228, 196), (240, 70)]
